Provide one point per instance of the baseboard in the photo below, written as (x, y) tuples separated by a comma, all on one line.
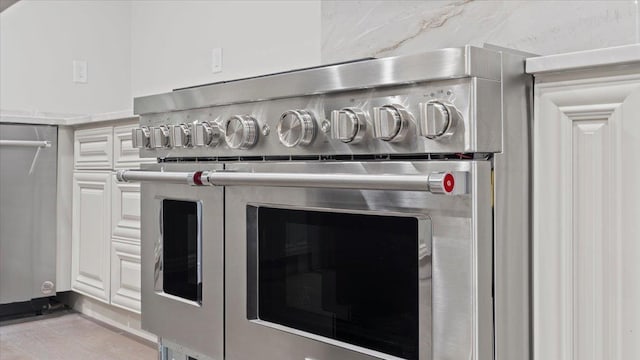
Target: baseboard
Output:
[(113, 316)]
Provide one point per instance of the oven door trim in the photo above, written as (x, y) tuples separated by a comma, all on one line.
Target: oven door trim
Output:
[(462, 299), (170, 317), (424, 251), (159, 253)]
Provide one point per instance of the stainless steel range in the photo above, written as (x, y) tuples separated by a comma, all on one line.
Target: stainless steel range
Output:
[(377, 209)]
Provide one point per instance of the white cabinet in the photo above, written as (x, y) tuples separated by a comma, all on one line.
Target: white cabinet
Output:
[(106, 217), (91, 234), (586, 244)]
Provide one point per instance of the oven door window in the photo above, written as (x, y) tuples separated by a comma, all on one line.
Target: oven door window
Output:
[(181, 242), (344, 276)]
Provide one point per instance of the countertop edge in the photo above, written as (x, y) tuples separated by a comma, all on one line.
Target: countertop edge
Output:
[(21, 117), (612, 56)]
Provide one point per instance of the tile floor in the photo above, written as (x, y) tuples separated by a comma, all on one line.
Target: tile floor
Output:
[(70, 336)]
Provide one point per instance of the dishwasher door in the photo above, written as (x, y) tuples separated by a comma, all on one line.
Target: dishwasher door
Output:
[(28, 162)]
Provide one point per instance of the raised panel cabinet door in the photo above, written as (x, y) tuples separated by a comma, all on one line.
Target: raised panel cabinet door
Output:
[(586, 232), (91, 234), (93, 148), (125, 275), (125, 156), (125, 210)]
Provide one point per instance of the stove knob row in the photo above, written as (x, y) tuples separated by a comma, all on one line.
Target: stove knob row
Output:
[(178, 136), (240, 132), (391, 123)]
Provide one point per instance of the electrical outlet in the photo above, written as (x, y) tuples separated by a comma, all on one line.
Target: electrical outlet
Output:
[(216, 60), (80, 72)]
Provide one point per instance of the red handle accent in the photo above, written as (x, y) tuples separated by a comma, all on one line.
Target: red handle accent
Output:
[(448, 183), (197, 178)]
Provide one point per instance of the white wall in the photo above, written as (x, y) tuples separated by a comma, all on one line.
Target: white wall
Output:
[(143, 47), (40, 39), (138, 47), (356, 29), (172, 40)]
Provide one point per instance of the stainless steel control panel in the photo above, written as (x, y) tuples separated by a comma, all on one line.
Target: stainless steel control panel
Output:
[(434, 117)]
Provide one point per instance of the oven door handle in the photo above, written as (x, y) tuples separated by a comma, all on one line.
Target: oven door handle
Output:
[(170, 177), (446, 182)]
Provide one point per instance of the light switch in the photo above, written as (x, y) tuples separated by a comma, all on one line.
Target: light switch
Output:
[(80, 71), (216, 60)]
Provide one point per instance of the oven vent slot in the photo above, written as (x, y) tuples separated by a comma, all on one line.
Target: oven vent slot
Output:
[(207, 159), (409, 156), (228, 158), (251, 158), (277, 158), (305, 157), (370, 157)]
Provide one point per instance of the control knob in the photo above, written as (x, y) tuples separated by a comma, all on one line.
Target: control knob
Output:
[(438, 119), (296, 127), (241, 132), (348, 125), (160, 137), (182, 136), (141, 138), (390, 123), (206, 134)]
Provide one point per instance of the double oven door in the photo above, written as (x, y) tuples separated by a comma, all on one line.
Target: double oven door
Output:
[(298, 261), (314, 273), (182, 262)]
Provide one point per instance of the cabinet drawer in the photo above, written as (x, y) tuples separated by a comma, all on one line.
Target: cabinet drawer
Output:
[(125, 156), (125, 275), (125, 210), (93, 148)]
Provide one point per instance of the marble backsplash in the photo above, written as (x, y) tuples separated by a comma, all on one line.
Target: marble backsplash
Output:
[(356, 29)]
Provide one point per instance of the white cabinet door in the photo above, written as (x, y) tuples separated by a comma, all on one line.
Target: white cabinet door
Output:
[(586, 245), (125, 275), (126, 210), (93, 148), (91, 234)]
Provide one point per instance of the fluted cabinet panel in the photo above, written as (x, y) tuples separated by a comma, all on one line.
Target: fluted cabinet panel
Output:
[(587, 219)]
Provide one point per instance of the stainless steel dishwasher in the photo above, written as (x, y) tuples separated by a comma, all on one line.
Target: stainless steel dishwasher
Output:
[(28, 164)]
